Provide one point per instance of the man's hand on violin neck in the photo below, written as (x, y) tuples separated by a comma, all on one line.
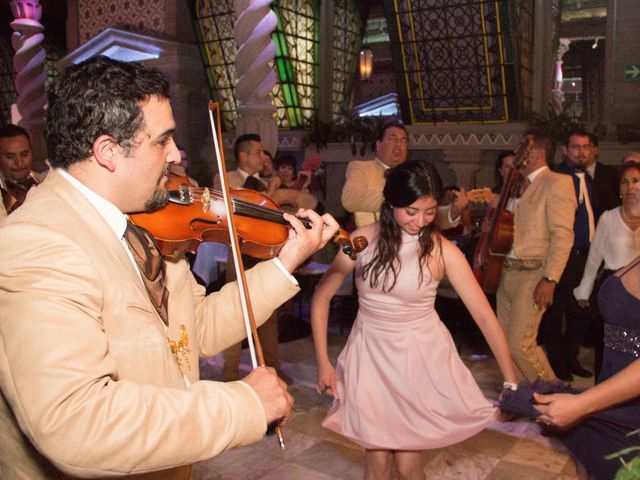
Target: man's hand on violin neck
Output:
[(304, 242), (272, 392)]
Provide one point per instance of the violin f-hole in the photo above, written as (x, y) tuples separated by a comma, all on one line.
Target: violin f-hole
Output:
[(205, 221)]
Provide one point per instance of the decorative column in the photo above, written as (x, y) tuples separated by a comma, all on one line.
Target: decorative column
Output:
[(28, 63), (254, 67), (465, 163), (557, 95)]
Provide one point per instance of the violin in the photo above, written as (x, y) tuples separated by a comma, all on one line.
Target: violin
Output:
[(197, 214)]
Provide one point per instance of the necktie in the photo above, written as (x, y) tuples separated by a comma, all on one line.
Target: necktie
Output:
[(252, 183), (583, 196), (16, 192), (151, 265), (520, 186)]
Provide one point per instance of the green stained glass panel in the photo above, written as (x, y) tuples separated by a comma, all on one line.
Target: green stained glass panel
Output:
[(214, 29), (297, 61)]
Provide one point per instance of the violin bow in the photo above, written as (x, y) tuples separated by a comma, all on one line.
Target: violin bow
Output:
[(255, 348)]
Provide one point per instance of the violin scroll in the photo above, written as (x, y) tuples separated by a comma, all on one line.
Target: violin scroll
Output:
[(350, 247)]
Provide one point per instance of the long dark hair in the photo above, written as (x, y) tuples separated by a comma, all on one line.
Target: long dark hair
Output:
[(405, 184), (497, 174)]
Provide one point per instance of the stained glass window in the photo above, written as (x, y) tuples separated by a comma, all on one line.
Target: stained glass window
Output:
[(347, 36), (520, 26), (214, 30), (450, 57), (296, 63), (296, 39)]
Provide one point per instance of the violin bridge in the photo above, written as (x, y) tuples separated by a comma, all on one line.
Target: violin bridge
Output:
[(205, 200), (185, 195)]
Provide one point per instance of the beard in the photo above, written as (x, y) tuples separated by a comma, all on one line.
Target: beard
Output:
[(579, 164), (160, 197)]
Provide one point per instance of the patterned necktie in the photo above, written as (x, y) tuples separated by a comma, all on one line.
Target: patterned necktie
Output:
[(151, 266)]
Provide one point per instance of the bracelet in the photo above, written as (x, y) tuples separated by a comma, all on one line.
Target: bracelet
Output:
[(509, 386)]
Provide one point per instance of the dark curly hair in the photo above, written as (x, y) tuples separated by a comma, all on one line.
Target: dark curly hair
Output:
[(405, 184), (286, 159), (99, 96)]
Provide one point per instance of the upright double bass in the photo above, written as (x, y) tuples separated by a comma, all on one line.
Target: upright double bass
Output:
[(494, 244)]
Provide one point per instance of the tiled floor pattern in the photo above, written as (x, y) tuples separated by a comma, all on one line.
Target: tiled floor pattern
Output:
[(505, 451)]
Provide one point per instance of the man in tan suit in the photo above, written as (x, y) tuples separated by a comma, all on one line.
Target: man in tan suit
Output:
[(251, 158), (96, 379), (16, 176), (543, 236), (362, 191)]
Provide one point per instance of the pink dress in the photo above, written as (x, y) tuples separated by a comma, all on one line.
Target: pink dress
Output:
[(400, 382)]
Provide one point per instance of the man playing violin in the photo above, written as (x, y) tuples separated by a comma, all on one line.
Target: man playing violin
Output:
[(96, 380)]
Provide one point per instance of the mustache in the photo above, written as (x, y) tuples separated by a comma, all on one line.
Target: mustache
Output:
[(165, 171)]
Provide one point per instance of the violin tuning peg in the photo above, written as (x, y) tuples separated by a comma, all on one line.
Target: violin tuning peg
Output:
[(360, 243)]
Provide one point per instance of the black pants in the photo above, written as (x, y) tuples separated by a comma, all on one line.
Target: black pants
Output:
[(565, 324)]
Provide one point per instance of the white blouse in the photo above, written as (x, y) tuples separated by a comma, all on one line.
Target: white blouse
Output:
[(612, 243)]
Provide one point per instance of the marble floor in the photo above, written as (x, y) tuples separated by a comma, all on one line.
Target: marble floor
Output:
[(513, 450)]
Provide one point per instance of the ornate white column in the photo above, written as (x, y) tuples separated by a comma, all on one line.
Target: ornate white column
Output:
[(28, 63), (254, 67), (557, 95)]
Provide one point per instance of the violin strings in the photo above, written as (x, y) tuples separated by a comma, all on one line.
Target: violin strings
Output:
[(249, 209)]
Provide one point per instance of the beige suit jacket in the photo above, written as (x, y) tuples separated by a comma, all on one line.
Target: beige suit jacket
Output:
[(233, 177), (282, 196), (543, 222), (362, 194), (86, 372)]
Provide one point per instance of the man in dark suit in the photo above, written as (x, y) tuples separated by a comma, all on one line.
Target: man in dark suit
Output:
[(564, 324), (605, 180)]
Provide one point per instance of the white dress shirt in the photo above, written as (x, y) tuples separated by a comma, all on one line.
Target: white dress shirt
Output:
[(614, 244)]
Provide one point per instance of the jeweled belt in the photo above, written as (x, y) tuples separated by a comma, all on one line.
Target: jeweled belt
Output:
[(622, 339)]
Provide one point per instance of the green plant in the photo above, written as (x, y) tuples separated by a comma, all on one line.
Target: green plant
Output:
[(359, 132), (630, 470), (559, 125)]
